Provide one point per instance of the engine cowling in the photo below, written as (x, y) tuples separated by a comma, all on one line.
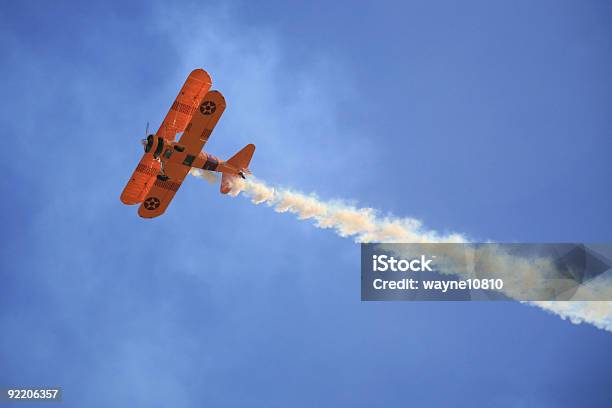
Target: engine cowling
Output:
[(148, 143), (154, 144)]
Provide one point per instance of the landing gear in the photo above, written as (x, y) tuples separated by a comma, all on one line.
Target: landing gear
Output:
[(162, 176)]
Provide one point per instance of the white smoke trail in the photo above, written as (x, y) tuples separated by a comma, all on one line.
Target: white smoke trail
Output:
[(210, 176), (365, 225)]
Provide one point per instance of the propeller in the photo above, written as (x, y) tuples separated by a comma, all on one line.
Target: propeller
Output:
[(144, 141)]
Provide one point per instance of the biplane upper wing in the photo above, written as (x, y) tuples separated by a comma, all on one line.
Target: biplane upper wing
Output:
[(196, 86), (193, 139), (141, 181)]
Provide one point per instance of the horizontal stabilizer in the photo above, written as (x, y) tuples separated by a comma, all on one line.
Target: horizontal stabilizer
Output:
[(226, 183)]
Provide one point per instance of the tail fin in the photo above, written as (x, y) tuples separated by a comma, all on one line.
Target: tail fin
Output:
[(242, 159), (237, 165)]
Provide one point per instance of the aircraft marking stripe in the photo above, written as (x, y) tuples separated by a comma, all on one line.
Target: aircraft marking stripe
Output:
[(211, 163), (167, 185), (182, 107), (146, 170), (205, 134), (188, 160)]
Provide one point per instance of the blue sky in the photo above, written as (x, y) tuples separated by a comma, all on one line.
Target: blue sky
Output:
[(486, 118)]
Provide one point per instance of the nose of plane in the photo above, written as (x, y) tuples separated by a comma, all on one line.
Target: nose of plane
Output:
[(148, 143)]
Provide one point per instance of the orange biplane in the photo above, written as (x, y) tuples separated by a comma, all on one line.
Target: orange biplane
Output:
[(166, 162)]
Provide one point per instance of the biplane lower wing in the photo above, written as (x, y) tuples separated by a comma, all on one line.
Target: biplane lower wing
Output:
[(141, 181), (203, 122), (161, 193)]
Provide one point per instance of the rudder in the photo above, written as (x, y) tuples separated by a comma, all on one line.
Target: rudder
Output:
[(242, 159)]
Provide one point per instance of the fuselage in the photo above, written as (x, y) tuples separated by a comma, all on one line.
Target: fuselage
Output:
[(173, 155)]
